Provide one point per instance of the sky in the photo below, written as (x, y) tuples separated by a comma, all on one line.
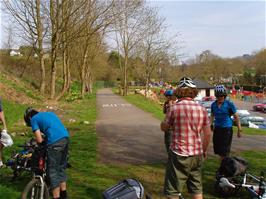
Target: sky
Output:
[(227, 28)]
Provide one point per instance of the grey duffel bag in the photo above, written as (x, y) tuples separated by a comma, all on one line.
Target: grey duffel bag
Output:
[(126, 189)]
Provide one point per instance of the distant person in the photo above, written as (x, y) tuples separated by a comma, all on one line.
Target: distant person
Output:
[(56, 140), (190, 140), (5, 139), (169, 102), (221, 112)]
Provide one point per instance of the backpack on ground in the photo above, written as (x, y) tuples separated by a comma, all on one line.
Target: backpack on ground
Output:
[(126, 189), (231, 169), (233, 166)]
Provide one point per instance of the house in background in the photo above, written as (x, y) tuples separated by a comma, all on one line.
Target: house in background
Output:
[(204, 88), (15, 53)]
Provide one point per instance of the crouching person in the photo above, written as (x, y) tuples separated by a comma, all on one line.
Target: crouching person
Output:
[(190, 140), (56, 140)]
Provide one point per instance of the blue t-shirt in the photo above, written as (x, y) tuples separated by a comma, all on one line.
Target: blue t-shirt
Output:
[(50, 125), (223, 114)]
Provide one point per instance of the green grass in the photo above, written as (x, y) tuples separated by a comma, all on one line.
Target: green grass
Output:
[(13, 112), (146, 104), (88, 178)]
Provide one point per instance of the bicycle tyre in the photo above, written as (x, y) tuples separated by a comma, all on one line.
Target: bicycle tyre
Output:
[(27, 190)]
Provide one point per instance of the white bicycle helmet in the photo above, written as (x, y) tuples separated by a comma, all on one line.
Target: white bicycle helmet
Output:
[(220, 90), (186, 82)]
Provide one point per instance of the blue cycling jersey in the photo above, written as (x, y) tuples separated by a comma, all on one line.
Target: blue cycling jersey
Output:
[(223, 114), (50, 125)]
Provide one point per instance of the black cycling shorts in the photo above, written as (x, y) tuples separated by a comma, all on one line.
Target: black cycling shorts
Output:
[(222, 139)]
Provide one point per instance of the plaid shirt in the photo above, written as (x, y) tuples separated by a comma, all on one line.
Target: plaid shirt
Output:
[(187, 118)]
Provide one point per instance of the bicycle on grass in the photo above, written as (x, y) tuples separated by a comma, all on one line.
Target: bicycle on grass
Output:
[(37, 188), (20, 161)]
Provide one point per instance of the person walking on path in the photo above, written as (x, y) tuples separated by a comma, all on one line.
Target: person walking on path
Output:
[(169, 102), (221, 112), (56, 141), (190, 140)]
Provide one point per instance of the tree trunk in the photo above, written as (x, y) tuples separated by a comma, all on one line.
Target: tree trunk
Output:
[(68, 71), (83, 73), (64, 87), (40, 46), (54, 20), (125, 76)]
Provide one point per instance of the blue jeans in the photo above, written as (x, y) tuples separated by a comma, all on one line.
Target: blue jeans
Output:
[(57, 161)]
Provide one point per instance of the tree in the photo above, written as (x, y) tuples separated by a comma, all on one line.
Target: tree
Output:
[(27, 15), (96, 17), (127, 27), (10, 38), (154, 47)]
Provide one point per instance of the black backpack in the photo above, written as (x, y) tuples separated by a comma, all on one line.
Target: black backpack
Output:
[(233, 166)]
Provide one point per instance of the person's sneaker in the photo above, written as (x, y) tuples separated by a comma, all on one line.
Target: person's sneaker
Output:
[(1, 164)]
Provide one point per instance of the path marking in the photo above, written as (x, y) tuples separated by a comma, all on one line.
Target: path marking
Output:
[(115, 105)]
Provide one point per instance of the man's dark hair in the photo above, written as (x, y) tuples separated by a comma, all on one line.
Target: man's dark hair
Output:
[(29, 113)]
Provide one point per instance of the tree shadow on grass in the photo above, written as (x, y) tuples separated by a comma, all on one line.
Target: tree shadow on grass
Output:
[(10, 187)]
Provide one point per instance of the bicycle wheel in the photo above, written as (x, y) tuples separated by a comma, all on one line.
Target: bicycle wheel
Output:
[(33, 190)]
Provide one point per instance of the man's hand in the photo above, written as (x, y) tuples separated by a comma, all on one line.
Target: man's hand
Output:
[(205, 155), (239, 133), (164, 126)]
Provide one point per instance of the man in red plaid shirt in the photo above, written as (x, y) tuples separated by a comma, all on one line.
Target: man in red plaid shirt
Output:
[(190, 140)]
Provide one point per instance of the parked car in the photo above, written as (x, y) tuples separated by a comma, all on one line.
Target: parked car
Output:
[(253, 122), (206, 104), (208, 98), (259, 106), (241, 113)]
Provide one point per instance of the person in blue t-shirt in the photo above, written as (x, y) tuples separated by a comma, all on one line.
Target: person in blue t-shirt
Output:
[(56, 138), (221, 112)]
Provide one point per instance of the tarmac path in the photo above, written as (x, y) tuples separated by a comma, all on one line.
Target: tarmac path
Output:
[(128, 135)]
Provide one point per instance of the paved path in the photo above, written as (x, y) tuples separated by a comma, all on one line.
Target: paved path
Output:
[(127, 134)]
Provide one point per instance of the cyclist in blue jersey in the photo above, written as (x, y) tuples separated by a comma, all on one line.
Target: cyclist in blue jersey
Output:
[(170, 101), (221, 112), (56, 138)]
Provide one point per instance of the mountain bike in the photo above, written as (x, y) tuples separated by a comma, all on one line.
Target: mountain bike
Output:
[(232, 176), (21, 161), (37, 188)]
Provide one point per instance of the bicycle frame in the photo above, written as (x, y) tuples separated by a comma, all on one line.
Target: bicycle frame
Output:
[(253, 188), (42, 184)]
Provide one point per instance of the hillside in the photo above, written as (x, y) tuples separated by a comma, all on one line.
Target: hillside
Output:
[(15, 90)]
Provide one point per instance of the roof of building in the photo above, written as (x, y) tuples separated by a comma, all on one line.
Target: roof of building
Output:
[(202, 84)]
